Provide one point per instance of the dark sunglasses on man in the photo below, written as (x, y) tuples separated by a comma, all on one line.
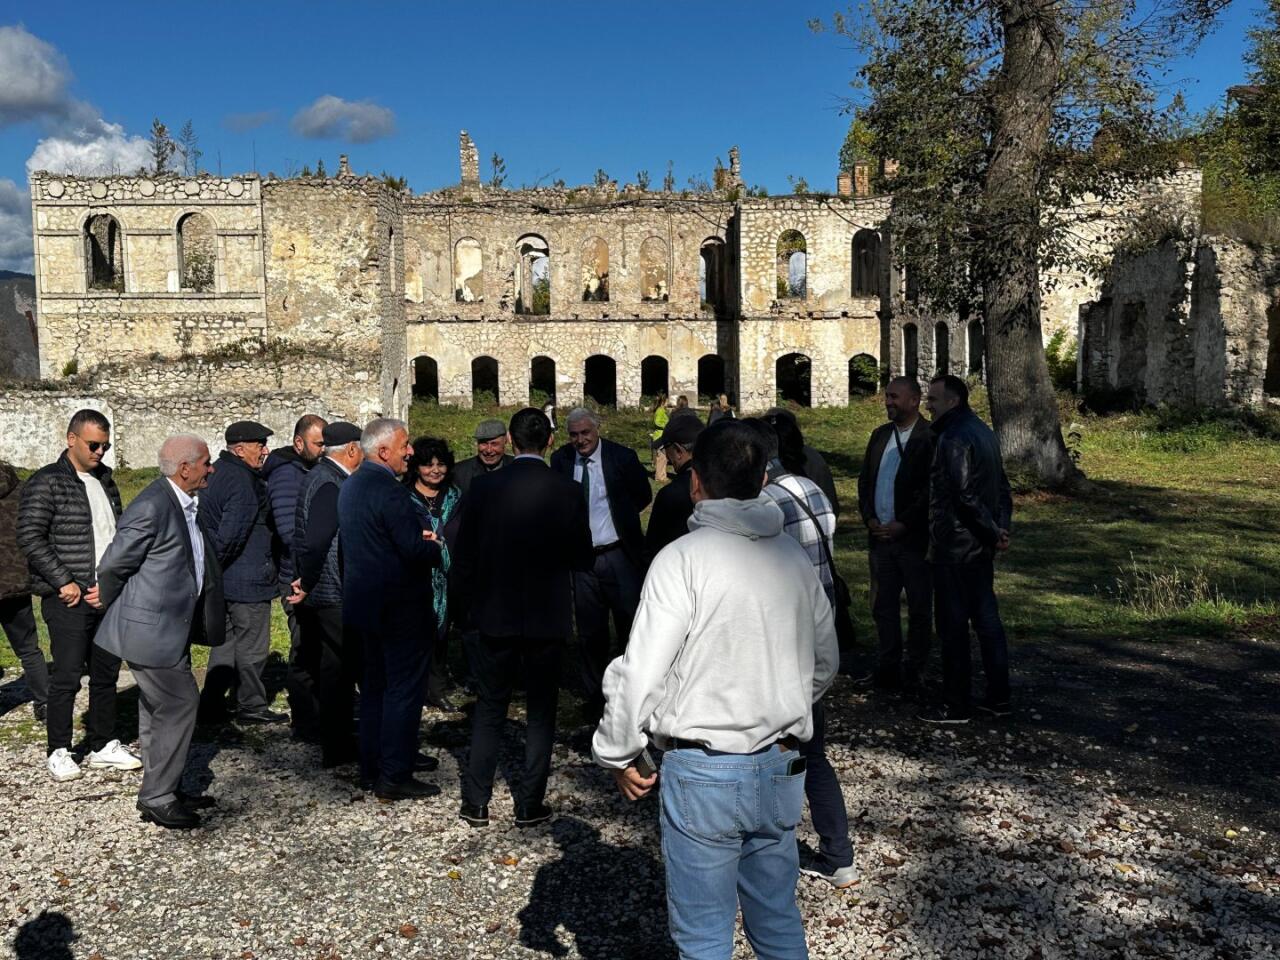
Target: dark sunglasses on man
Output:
[(96, 445)]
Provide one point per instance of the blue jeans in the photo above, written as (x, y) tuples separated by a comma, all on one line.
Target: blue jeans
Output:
[(729, 839)]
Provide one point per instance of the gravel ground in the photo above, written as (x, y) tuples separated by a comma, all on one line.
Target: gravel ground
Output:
[(987, 843)]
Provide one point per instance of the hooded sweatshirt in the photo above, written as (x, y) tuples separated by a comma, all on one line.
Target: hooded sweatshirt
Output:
[(732, 644)]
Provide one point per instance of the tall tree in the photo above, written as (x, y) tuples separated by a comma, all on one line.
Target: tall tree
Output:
[(162, 147), (189, 149), (1002, 114)]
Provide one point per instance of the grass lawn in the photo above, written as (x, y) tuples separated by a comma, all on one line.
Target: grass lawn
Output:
[(1175, 538)]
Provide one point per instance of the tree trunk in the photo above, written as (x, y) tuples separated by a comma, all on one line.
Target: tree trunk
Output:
[(1024, 409)]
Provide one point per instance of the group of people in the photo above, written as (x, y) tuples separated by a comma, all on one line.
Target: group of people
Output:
[(707, 640)]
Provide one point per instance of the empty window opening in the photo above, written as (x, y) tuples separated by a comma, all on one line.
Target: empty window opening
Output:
[(866, 263), (711, 274), (654, 378), (468, 271), (977, 348), (533, 276), (942, 348), (710, 377), (910, 350), (426, 379), (864, 375), (542, 381), (653, 270), (793, 373), (196, 252), (601, 380), (104, 253), (793, 265), (1271, 379), (484, 382), (1130, 348), (595, 271)]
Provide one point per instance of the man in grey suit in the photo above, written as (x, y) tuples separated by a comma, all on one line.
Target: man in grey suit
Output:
[(162, 589)]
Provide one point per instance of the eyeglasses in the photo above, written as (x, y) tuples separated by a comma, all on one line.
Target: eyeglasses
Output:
[(96, 445)]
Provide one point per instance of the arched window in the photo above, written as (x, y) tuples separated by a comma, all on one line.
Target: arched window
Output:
[(468, 271), (653, 270), (595, 270), (712, 274), (426, 379), (977, 347), (104, 253), (654, 377), (942, 347), (533, 275), (412, 271), (1271, 373), (793, 265), (710, 376), (793, 373), (866, 263), (600, 380), (542, 381), (864, 375), (484, 382), (910, 350), (197, 253)]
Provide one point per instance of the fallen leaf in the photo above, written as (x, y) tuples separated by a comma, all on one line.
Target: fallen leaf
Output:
[(1004, 824), (1231, 834), (836, 922), (493, 927), (1124, 827), (299, 941), (455, 874), (1125, 867), (509, 861), (1131, 728), (244, 922), (408, 931), (1066, 846)]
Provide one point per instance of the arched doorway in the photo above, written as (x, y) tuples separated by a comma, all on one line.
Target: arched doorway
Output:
[(910, 350), (655, 377), (866, 263), (942, 348), (793, 373), (542, 381), (484, 381), (426, 379), (710, 377), (600, 380), (864, 375)]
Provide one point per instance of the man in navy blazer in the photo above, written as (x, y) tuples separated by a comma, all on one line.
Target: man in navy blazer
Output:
[(615, 488), (387, 601), (161, 585)]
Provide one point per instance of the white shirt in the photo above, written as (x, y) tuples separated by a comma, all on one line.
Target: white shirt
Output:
[(104, 517), (603, 532), (189, 505), (890, 460)]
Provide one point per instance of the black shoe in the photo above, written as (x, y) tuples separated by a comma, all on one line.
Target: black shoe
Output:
[(410, 789), (475, 816), (212, 717), (945, 715), (423, 763), (530, 815), (998, 710), (195, 801), (443, 703), (876, 681), (40, 711), (172, 815), (261, 717)]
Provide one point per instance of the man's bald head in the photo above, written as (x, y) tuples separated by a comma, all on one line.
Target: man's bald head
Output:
[(902, 400)]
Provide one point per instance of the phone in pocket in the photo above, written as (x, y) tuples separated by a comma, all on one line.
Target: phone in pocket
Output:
[(797, 765)]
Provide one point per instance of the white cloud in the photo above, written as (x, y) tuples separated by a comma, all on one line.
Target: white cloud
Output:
[(15, 227), (99, 151), (332, 117), (33, 77)]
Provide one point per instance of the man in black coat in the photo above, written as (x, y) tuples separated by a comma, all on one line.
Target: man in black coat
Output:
[(17, 619), (970, 512), (66, 520), (615, 488), (491, 454), (673, 506), (387, 559), (235, 511), (893, 498), (525, 529)]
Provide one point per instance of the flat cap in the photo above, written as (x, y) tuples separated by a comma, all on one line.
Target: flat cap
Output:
[(681, 430), (247, 431), (490, 429), (340, 433)]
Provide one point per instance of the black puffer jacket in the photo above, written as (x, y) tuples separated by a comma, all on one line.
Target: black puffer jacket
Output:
[(55, 526), (15, 579), (969, 497)]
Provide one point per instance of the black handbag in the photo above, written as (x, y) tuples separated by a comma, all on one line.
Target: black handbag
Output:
[(845, 635)]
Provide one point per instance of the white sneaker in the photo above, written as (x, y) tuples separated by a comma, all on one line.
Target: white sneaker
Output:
[(63, 766), (114, 756), (838, 877)]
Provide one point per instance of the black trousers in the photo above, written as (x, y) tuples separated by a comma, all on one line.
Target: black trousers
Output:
[(328, 655), (71, 631), (497, 662), (18, 620), (610, 588), (897, 568), (396, 655), (964, 594), (297, 683), (826, 799)]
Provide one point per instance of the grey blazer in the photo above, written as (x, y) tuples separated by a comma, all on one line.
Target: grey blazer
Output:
[(147, 583)]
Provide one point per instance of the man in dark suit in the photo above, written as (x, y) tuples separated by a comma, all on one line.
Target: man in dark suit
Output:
[(615, 488), (893, 497), (525, 529), (673, 506), (161, 585), (386, 597)]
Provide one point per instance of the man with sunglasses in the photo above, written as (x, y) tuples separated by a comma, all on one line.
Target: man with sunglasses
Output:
[(66, 519)]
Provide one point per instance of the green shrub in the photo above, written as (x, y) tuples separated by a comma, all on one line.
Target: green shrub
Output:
[(1060, 354)]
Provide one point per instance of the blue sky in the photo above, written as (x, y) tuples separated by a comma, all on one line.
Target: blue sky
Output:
[(557, 88)]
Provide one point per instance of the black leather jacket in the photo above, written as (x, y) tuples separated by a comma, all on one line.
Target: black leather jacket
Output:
[(969, 497)]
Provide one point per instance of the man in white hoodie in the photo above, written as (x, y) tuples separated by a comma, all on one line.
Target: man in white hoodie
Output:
[(732, 644)]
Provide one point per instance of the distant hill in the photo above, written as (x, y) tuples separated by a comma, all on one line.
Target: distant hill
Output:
[(18, 355), (10, 275)]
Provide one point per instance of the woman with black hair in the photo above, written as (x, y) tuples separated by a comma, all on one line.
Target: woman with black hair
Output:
[(438, 501)]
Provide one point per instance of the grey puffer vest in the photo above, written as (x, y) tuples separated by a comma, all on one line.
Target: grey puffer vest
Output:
[(328, 589)]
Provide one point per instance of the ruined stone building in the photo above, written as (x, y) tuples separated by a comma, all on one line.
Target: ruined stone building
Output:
[(187, 302)]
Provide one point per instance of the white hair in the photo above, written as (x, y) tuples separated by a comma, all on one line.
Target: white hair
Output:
[(379, 433), (179, 449), (578, 414)]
